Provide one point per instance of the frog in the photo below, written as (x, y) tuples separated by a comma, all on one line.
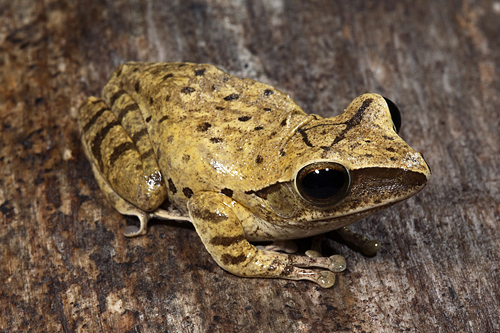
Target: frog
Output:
[(242, 162)]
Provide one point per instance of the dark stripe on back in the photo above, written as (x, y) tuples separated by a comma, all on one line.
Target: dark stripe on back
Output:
[(354, 121), (119, 151), (147, 154), (94, 119), (96, 142), (115, 96), (137, 136), (127, 109)]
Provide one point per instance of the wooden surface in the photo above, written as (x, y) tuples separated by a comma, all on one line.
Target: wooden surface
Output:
[(64, 263)]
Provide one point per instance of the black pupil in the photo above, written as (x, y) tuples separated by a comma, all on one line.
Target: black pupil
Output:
[(323, 183)]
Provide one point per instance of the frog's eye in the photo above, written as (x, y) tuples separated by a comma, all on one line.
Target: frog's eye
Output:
[(323, 183), (395, 114)]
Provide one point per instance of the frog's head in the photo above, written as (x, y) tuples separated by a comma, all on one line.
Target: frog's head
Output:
[(349, 166)]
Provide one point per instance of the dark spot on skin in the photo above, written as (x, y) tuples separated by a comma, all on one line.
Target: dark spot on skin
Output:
[(94, 119), (259, 159), (148, 119), (171, 186), (204, 127), (388, 137), (186, 158), (305, 138), (226, 241), (272, 134), (115, 96), (187, 90), (162, 119), (129, 108), (170, 139), (287, 270), (368, 155), (244, 118), (151, 101), (390, 149), (283, 123), (168, 76), (167, 98), (282, 152), (392, 159), (219, 108), (227, 192), (231, 97), (216, 140), (368, 141), (267, 109), (137, 86), (228, 259), (135, 69), (188, 193), (258, 128), (119, 151), (200, 72), (209, 216), (268, 92)]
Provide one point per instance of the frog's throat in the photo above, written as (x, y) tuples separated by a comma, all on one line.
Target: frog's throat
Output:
[(290, 131)]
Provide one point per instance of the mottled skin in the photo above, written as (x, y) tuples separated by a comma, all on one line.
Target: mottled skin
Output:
[(224, 153)]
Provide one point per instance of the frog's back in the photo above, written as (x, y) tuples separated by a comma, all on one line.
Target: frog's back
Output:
[(210, 130)]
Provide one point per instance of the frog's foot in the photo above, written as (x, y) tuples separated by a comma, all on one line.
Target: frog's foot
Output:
[(357, 242), (123, 207), (214, 216), (286, 246)]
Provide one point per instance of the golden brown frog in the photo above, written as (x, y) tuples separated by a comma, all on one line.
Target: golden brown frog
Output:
[(243, 162)]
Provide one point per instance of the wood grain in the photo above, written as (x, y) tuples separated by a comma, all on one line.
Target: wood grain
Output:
[(64, 264)]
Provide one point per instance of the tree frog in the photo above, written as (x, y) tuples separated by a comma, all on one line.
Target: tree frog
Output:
[(243, 162)]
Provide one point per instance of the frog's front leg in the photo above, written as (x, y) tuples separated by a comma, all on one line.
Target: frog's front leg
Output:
[(357, 242), (216, 222)]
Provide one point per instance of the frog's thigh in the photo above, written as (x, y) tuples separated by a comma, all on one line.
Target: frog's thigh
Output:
[(214, 218), (131, 118), (117, 163)]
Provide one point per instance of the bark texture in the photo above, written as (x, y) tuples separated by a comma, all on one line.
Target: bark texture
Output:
[(64, 263)]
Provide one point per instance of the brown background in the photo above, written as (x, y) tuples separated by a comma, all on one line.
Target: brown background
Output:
[(64, 264)]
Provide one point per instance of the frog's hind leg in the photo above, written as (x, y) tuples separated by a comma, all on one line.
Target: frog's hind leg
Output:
[(123, 161)]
